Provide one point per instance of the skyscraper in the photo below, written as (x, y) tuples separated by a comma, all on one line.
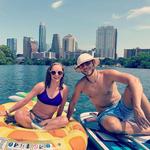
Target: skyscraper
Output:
[(27, 47), (12, 44), (34, 45), (69, 44), (106, 42), (42, 37), (56, 47)]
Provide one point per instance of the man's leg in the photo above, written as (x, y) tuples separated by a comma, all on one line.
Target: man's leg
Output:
[(113, 124)]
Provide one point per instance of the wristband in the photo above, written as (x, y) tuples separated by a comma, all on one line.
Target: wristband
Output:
[(7, 112)]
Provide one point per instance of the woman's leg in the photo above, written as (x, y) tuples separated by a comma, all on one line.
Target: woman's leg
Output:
[(55, 123), (22, 117)]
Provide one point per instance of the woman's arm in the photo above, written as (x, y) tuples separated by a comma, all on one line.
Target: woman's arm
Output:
[(36, 89)]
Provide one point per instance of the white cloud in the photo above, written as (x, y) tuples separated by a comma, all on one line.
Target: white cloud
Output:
[(57, 4), (138, 12), (143, 27), (116, 17)]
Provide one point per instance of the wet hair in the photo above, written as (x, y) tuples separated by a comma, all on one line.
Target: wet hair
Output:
[(48, 76)]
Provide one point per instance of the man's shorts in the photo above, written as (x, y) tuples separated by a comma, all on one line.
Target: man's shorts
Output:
[(119, 110)]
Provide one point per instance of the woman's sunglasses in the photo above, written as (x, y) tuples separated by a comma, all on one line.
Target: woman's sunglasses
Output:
[(58, 72)]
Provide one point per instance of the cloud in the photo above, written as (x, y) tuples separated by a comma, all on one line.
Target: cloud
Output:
[(116, 17), (143, 27), (138, 12), (56, 4)]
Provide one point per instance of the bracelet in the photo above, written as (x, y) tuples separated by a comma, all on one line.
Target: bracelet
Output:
[(7, 113)]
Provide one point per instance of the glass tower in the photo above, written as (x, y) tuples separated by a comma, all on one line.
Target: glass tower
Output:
[(12, 44), (42, 38), (56, 47), (27, 47)]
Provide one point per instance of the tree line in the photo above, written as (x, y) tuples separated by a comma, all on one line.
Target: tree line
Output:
[(140, 61)]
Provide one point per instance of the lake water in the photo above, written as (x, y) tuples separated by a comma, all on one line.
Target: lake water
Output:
[(15, 78)]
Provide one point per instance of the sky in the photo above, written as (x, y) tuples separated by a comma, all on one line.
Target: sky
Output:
[(81, 18)]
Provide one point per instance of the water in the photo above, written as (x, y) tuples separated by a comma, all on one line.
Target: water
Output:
[(14, 78)]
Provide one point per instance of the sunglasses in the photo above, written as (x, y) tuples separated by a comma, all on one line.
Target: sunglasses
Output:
[(58, 72), (85, 64)]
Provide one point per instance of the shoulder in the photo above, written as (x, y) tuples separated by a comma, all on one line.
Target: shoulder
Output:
[(39, 86), (109, 72), (65, 88), (114, 75), (81, 83)]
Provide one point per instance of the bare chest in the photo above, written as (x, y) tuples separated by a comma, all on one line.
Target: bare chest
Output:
[(98, 89)]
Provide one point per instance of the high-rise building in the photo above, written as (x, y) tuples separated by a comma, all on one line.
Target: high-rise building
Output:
[(56, 46), (106, 42), (27, 47), (12, 44), (69, 44), (128, 53), (42, 37), (34, 46)]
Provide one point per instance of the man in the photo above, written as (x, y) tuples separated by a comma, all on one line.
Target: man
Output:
[(115, 110)]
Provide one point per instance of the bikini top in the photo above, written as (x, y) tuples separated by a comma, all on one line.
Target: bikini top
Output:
[(43, 97)]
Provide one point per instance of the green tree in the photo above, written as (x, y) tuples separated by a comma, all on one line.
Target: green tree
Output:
[(108, 61), (121, 60), (2, 58), (6, 56), (6, 50)]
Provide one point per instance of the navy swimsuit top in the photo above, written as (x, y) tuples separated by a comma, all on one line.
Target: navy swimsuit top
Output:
[(43, 97)]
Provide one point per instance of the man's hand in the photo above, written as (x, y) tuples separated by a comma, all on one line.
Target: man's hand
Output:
[(140, 119)]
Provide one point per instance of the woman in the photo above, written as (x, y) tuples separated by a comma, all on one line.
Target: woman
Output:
[(52, 96)]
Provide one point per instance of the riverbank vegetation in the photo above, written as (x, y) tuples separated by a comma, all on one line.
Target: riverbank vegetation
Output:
[(140, 61)]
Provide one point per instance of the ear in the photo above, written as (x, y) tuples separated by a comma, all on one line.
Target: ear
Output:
[(93, 62)]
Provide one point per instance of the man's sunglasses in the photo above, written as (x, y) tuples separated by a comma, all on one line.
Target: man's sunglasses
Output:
[(58, 72), (85, 64)]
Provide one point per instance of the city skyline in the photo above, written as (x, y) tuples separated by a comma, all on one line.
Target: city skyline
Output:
[(81, 18)]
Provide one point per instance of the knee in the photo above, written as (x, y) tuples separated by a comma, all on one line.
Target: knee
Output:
[(112, 124), (65, 120), (18, 115), (23, 118)]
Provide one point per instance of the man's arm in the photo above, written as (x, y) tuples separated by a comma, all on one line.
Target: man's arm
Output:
[(131, 81), (74, 100)]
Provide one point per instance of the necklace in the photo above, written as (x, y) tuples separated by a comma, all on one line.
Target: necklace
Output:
[(95, 78)]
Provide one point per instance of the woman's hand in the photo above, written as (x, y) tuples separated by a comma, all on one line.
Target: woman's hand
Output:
[(44, 124)]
